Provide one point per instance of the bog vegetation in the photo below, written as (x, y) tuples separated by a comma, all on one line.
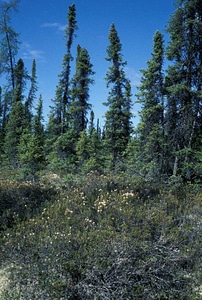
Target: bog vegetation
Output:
[(103, 213), (100, 237)]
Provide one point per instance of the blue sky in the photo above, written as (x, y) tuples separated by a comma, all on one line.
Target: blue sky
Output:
[(41, 26)]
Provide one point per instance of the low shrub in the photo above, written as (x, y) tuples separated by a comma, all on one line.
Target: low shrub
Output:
[(107, 239), (21, 201)]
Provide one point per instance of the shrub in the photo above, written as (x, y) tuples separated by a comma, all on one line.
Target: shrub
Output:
[(106, 238), (21, 201)]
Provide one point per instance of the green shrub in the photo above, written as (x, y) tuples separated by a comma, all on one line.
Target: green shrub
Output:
[(107, 237), (21, 200)]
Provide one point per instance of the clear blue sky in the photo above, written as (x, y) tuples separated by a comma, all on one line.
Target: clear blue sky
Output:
[(41, 26)]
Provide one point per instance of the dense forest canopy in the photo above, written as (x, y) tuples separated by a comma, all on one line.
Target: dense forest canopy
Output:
[(167, 140)]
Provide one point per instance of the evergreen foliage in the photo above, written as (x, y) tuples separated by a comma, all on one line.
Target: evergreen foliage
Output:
[(151, 127), (80, 91), (118, 126), (183, 84), (31, 147), (103, 213), (16, 123), (9, 44), (62, 99), (31, 96), (167, 139)]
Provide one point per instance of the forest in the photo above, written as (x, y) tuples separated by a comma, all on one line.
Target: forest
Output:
[(103, 213), (165, 144)]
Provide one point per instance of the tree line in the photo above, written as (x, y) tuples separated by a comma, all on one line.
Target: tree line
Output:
[(165, 144)]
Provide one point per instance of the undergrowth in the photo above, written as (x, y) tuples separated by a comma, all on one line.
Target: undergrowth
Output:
[(100, 237)]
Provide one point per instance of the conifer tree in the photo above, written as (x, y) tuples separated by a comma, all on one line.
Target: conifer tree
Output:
[(9, 44), (118, 116), (82, 150), (4, 116), (31, 146), (1, 123), (60, 137), (62, 101), (96, 155), (80, 91), (16, 123), (151, 126), (1, 106), (89, 152), (65, 75), (31, 96), (55, 117), (38, 126), (91, 122), (127, 114), (184, 83), (64, 146)]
